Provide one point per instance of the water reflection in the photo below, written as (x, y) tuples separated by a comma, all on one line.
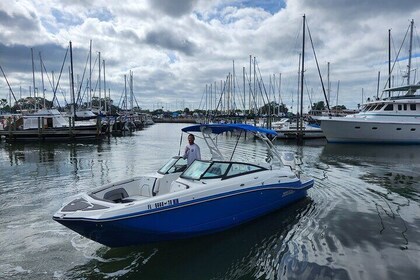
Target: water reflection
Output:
[(266, 248), (353, 153), (377, 187), (395, 168), (20, 153), (359, 221)]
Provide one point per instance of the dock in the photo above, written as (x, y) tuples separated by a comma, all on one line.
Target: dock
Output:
[(14, 132)]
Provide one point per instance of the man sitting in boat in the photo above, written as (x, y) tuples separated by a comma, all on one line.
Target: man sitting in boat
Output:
[(192, 150)]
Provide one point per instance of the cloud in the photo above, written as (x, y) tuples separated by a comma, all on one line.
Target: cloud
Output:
[(175, 48), (170, 41), (173, 8)]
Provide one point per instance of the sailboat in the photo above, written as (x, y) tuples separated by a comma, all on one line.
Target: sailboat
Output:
[(300, 128)]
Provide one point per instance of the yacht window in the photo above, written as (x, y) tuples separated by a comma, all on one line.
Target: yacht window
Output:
[(413, 107), (389, 107), (398, 128), (413, 129), (240, 168), (374, 128), (49, 122), (357, 127), (399, 107), (405, 107), (379, 107)]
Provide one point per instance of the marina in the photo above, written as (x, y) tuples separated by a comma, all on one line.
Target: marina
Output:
[(360, 219), (210, 140)]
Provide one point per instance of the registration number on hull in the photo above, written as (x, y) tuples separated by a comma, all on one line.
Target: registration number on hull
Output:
[(161, 204)]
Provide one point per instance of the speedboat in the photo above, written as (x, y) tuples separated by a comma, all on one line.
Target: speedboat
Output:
[(179, 202)]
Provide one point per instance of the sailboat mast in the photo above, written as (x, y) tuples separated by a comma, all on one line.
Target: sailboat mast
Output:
[(389, 60), (99, 82), (131, 91), (249, 90), (243, 77), (72, 81), (328, 82), (300, 121), (105, 100), (90, 76), (409, 52), (33, 75), (280, 101), (42, 80), (125, 93)]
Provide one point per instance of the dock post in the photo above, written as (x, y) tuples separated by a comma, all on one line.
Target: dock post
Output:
[(9, 123), (40, 119), (70, 127)]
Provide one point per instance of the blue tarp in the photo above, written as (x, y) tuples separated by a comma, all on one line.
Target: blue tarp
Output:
[(220, 128)]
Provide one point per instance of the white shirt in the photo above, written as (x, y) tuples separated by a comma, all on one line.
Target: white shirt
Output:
[(192, 152)]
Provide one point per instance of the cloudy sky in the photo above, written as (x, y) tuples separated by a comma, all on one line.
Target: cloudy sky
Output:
[(177, 48)]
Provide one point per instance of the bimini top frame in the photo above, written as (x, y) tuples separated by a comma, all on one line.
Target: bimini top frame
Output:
[(208, 129)]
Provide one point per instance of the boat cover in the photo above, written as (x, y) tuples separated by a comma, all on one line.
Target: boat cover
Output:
[(220, 128)]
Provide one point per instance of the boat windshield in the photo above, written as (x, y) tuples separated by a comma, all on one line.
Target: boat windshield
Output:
[(196, 169), (218, 169), (174, 165)]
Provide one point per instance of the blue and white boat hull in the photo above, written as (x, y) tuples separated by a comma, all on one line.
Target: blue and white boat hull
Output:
[(181, 201), (188, 219)]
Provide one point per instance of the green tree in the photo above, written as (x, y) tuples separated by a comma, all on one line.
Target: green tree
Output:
[(274, 108), (338, 108), (3, 103), (319, 106), (4, 106), (30, 103)]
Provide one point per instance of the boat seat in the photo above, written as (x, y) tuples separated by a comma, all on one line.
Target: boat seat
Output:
[(116, 195), (146, 190), (133, 198)]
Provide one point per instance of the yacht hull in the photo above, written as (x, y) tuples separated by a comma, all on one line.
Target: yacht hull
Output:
[(364, 130)]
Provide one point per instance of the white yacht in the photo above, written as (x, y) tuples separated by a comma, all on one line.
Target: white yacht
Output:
[(393, 120)]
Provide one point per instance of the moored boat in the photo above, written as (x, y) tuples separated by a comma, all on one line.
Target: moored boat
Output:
[(179, 202), (48, 125), (288, 129), (393, 120)]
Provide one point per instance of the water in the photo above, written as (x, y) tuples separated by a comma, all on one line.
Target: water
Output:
[(360, 221)]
